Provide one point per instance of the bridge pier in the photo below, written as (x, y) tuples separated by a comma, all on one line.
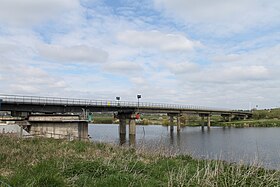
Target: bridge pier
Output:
[(209, 121), (132, 131), (208, 116), (203, 122), (171, 122), (132, 126), (227, 117), (171, 119), (178, 123), (122, 128), (123, 116)]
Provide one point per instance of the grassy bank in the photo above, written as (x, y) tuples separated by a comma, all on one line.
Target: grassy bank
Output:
[(252, 123), (48, 162), (260, 118)]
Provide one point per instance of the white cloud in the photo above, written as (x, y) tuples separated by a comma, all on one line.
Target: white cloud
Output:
[(78, 54), (228, 16), (182, 67), (30, 11), (227, 58), (157, 40), (122, 67), (23, 78), (244, 73), (138, 80), (228, 74)]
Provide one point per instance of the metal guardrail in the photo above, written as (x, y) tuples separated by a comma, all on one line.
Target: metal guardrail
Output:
[(102, 103)]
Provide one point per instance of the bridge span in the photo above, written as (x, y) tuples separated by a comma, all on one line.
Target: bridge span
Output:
[(20, 103), (125, 110)]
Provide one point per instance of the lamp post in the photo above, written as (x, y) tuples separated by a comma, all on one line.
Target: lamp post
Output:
[(138, 97), (118, 99)]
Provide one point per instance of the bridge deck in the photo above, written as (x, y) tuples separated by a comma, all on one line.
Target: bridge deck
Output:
[(55, 104)]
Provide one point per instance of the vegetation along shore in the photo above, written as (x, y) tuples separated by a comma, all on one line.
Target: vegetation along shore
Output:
[(260, 118), (49, 162)]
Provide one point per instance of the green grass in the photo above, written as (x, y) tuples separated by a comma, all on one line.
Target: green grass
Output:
[(252, 123), (103, 120), (48, 162)]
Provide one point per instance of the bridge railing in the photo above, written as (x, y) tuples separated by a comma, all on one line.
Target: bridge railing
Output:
[(18, 99)]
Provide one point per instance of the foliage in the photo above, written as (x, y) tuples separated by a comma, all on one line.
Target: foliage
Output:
[(266, 114), (103, 120), (48, 162)]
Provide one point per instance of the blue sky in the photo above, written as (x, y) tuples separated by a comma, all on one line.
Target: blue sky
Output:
[(210, 53)]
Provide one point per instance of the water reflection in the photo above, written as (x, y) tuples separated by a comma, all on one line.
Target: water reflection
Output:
[(122, 139), (232, 144), (132, 140), (171, 138)]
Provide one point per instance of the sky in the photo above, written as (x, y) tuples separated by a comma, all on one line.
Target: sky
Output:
[(218, 53)]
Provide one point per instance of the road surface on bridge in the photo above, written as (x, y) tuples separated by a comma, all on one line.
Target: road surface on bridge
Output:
[(39, 104)]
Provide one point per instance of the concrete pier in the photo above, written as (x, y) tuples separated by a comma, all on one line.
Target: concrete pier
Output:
[(178, 123), (209, 121), (171, 120), (122, 125), (123, 117), (203, 122), (132, 131), (132, 126), (227, 117), (58, 126)]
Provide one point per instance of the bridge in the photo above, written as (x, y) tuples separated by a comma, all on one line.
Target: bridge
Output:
[(125, 110)]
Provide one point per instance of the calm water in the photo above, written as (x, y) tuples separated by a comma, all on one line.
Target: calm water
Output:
[(249, 145)]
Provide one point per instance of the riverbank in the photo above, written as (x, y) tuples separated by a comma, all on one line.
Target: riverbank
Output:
[(251, 123), (48, 162)]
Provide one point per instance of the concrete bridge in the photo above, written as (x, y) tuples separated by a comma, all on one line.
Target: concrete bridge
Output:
[(25, 105)]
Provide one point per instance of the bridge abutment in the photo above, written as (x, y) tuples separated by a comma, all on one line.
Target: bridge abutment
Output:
[(58, 126)]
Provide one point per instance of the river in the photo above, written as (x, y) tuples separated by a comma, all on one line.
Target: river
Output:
[(245, 145)]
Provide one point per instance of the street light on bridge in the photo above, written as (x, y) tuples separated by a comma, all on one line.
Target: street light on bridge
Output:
[(118, 99), (138, 97)]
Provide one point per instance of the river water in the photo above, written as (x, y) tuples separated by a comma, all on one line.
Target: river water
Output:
[(245, 145)]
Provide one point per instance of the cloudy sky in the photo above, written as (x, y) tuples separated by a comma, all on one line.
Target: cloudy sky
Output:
[(211, 53)]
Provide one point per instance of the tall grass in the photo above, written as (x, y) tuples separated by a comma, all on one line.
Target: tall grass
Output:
[(48, 162)]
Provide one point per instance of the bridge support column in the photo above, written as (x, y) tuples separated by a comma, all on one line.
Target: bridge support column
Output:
[(209, 121), (229, 118), (122, 129), (132, 127), (203, 122), (123, 116), (178, 123), (171, 121), (132, 131)]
